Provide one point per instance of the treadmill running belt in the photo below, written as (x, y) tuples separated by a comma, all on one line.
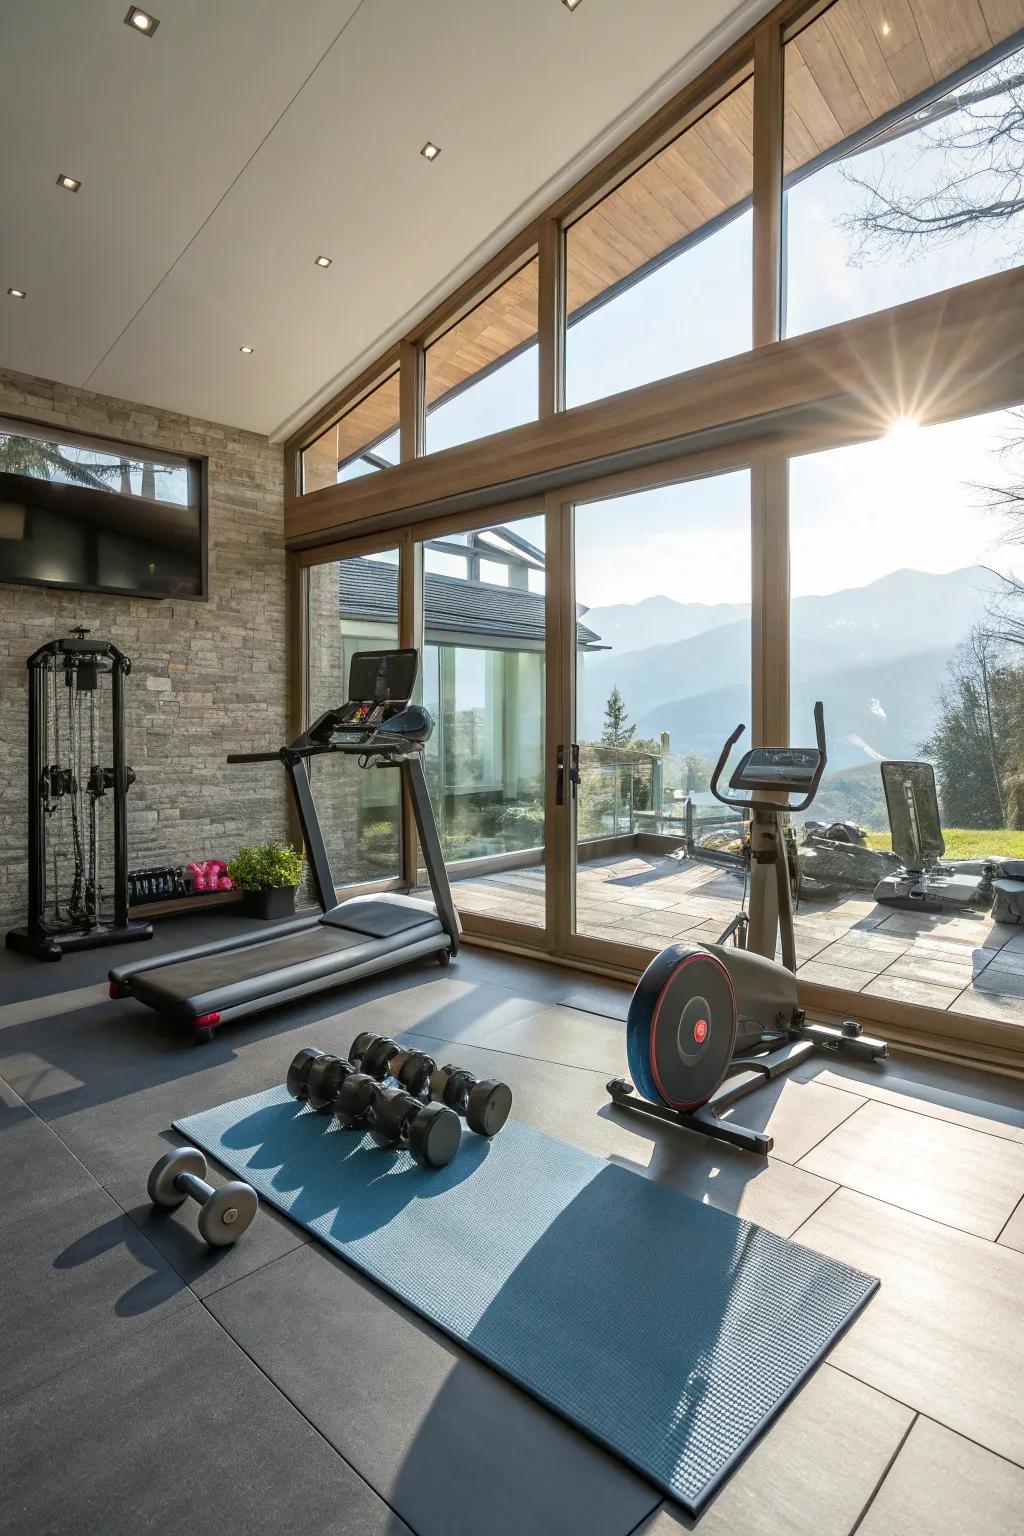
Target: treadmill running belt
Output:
[(199, 986)]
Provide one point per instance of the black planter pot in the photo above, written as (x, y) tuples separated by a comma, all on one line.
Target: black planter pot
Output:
[(277, 901)]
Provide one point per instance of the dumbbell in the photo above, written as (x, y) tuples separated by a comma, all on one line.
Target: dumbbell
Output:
[(224, 1214), (381, 1057), (431, 1132), (485, 1104)]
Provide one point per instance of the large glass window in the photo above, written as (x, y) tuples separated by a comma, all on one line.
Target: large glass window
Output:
[(353, 606), (481, 376), (662, 678), (907, 620), (658, 274), (364, 440), (904, 154), (483, 682)]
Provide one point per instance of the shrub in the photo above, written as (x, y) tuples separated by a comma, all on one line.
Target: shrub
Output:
[(265, 866)]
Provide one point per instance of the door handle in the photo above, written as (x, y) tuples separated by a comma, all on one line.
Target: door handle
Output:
[(561, 773)]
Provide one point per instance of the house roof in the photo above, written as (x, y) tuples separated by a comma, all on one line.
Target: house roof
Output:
[(368, 589)]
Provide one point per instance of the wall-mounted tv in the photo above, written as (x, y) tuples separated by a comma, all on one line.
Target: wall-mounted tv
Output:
[(96, 516)]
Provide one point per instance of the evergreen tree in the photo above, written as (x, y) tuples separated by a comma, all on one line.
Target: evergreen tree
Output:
[(616, 731)]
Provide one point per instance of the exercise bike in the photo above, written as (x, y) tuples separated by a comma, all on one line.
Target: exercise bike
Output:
[(709, 1024)]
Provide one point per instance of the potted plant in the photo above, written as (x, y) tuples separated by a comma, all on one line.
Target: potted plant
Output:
[(268, 877)]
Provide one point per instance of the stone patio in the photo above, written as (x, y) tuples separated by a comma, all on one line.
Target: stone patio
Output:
[(965, 963)]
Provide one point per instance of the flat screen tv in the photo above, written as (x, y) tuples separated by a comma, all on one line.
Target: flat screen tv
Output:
[(95, 516)]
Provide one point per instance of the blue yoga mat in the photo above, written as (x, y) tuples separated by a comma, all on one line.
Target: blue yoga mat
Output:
[(669, 1331)]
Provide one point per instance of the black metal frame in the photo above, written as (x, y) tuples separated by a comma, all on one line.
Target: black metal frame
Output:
[(38, 938)]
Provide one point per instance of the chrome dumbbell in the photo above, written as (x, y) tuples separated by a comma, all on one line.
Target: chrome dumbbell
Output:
[(224, 1214)]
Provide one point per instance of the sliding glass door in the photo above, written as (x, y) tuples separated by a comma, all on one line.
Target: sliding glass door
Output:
[(656, 660), (484, 668), (352, 605)]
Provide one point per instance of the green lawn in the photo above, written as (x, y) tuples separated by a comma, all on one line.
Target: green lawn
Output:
[(968, 843)]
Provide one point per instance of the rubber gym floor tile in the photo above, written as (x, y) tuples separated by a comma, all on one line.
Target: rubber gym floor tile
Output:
[(36, 1169), (961, 1095), (942, 1485), (958, 1176), (1012, 1235), (834, 1422), (175, 1234), (450, 1445), (568, 1037), (453, 1007), (76, 1277), (943, 1333), (175, 1430), (573, 1105)]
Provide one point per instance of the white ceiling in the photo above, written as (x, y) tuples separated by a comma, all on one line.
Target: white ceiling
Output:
[(246, 137)]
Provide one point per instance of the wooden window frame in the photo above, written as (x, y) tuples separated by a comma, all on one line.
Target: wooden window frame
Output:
[(944, 357)]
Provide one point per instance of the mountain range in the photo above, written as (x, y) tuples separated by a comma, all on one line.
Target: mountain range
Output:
[(875, 654)]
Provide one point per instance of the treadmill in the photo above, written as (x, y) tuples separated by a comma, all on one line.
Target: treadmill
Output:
[(212, 983)]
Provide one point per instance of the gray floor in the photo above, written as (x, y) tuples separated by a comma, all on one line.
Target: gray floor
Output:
[(149, 1383)]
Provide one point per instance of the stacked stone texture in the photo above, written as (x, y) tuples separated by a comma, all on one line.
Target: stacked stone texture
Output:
[(207, 678)]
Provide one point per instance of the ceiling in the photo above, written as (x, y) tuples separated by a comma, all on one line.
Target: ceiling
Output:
[(221, 156)]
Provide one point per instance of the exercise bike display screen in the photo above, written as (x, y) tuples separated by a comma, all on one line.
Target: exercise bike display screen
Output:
[(782, 768)]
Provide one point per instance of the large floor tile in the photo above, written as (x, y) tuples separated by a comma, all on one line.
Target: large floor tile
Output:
[(959, 1176), (573, 1105), (36, 1169), (834, 1422), (942, 1485), (824, 974), (902, 989), (567, 1036), (979, 1101), (943, 1332), (1013, 1233), (798, 1115), (175, 1430), (450, 1445), (77, 1277)]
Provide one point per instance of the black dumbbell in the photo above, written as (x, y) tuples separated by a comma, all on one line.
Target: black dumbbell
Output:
[(485, 1104), (431, 1132), (224, 1214), (382, 1057), (297, 1081)]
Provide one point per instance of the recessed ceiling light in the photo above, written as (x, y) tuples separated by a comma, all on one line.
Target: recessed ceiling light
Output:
[(430, 151), (886, 29), (141, 21), (245, 349), (324, 261), (69, 183), (16, 293), (570, 5)]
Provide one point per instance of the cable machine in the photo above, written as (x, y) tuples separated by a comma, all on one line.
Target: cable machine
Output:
[(77, 849)]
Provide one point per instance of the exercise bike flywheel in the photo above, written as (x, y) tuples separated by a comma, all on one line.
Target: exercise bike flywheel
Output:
[(681, 1027)]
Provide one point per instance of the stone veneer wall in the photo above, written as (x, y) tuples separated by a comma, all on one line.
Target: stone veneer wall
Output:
[(207, 677)]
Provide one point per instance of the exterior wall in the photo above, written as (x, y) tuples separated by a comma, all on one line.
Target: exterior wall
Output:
[(207, 678)]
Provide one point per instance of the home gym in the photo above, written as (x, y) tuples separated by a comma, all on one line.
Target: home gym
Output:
[(512, 767)]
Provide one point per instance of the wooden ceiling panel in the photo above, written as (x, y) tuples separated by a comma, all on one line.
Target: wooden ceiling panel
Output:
[(504, 322), (375, 417), (707, 170), (843, 71)]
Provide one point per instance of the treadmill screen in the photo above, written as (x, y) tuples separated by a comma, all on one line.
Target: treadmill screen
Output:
[(383, 675)]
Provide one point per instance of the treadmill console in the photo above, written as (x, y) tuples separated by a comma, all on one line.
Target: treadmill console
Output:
[(787, 769), (380, 686)]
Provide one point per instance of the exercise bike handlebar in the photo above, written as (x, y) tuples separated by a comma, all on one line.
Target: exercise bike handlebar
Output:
[(750, 802)]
